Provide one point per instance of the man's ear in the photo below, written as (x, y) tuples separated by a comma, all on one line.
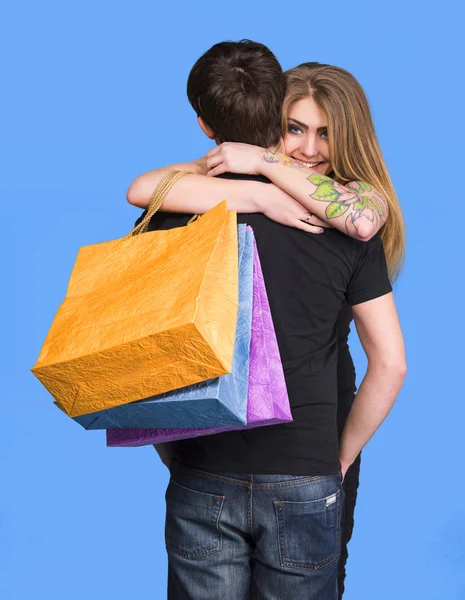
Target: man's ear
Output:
[(208, 131)]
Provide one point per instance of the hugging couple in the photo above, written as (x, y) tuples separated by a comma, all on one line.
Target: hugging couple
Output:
[(267, 513)]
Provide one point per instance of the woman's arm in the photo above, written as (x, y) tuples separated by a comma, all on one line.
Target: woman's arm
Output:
[(196, 194), (141, 189), (355, 209)]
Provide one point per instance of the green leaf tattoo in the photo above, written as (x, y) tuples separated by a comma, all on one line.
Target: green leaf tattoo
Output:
[(366, 187), (373, 205), (336, 209), (362, 203), (318, 179), (326, 192)]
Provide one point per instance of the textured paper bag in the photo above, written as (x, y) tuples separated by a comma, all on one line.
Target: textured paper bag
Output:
[(145, 315), (218, 401), (268, 400)]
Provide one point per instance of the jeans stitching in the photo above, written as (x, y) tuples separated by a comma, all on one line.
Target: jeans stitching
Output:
[(282, 541), (279, 534), (311, 567), (283, 519), (220, 510), (337, 493), (189, 555), (251, 513), (195, 491), (277, 484), (219, 544)]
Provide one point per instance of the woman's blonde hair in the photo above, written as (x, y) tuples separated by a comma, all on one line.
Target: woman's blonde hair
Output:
[(355, 153)]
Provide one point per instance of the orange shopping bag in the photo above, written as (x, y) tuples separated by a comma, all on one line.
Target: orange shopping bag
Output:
[(145, 314)]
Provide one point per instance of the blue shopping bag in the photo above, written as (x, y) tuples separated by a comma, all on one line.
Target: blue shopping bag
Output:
[(216, 402)]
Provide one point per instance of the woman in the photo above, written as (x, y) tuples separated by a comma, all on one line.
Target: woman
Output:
[(335, 176)]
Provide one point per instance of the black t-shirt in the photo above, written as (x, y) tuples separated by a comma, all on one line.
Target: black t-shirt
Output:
[(346, 384), (310, 280)]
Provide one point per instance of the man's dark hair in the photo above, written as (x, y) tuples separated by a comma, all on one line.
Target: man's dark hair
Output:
[(238, 89)]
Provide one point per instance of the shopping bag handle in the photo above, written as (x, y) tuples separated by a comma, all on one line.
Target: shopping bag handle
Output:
[(156, 200)]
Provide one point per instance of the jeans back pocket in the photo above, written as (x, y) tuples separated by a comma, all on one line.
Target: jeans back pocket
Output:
[(192, 527), (308, 532)]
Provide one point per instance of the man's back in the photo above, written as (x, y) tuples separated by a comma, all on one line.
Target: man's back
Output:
[(308, 279)]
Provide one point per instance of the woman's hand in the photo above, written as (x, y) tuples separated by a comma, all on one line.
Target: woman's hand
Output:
[(282, 208), (233, 157)]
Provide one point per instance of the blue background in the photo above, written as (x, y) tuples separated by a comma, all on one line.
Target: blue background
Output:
[(93, 95)]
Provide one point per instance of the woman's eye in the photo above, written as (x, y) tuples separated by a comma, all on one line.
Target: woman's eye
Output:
[(294, 129), (324, 135)]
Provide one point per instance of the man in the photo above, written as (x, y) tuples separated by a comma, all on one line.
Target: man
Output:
[(258, 511)]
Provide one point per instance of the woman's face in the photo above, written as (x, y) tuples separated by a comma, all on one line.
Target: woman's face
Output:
[(306, 138)]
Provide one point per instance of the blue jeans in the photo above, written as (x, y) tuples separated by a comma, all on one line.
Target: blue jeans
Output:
[(235, 537)]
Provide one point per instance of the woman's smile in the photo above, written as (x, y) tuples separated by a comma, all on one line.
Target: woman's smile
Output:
[(320, 166)]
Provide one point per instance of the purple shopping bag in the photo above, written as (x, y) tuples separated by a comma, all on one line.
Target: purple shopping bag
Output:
[(268, 402)]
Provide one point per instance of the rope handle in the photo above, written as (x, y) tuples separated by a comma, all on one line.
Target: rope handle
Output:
[(156, 200)]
